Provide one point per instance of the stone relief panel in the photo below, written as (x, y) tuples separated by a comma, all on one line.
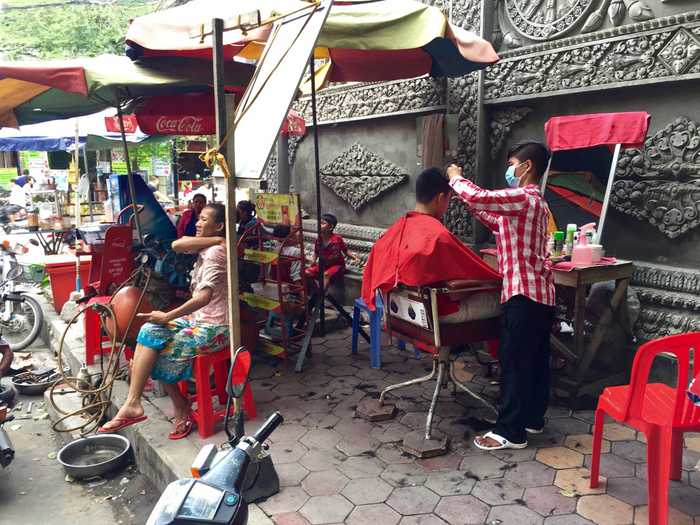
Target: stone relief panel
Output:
[(660, 50), (359, 176), (357, 102), (661, 183), (502, 122)]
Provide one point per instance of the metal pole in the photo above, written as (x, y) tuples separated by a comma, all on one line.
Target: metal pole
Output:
[(234, 308), (322, 294), (76, 159), (283, 163), (173, 174), (129, 175), (608, 189), (87, 174)]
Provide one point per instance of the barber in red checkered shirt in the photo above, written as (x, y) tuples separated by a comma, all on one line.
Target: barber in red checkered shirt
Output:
[(518, 217)]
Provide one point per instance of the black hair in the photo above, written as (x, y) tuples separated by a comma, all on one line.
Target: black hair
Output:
[(198, 195), (247, 206), (219, 214), (429, 184), (281, 231), (25, 171), (535, 152), (330, 219)]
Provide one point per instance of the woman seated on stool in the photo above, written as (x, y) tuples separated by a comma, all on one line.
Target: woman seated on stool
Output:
[(170, 340)]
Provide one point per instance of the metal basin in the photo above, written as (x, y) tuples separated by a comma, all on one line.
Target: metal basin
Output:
[(95, 455)]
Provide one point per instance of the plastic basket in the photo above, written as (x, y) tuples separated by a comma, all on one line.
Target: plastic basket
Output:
[(33, 272)]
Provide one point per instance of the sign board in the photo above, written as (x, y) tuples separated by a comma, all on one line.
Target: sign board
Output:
[(6, 174), (264, 106), (37, 162), (259, 256), (260, 301), (118, 162), (276, 208), (130, 124)]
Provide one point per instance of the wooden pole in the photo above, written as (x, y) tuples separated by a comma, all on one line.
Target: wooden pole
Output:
[(322, 293), (129, 175), (234, 308)]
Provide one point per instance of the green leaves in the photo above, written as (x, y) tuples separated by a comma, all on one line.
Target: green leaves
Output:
[(67, 31)]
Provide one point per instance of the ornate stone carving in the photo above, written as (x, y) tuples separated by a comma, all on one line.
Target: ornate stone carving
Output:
[(545, 19), (660, 183), (621, 56), (358, 176), (363, 101), (501, 123)]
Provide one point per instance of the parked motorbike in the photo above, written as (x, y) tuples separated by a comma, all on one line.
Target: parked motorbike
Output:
[(21, 316), (228, 481)]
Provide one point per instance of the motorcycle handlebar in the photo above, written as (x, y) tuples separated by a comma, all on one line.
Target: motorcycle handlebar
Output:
[(269, 426)]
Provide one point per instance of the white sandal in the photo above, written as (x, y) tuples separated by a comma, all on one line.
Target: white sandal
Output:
[(503, 442)]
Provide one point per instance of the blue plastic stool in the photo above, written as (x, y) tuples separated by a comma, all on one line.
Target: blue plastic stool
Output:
[(375, 329)]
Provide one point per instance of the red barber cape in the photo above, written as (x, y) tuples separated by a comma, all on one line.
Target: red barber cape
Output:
[(418, 250)]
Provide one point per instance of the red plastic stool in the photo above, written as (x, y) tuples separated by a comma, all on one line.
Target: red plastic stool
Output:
[(204, 415)]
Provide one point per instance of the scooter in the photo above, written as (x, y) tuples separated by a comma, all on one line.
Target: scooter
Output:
[(225, 482)]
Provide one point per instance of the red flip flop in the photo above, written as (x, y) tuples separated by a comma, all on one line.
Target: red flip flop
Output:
[(123, 423), (182, 429)]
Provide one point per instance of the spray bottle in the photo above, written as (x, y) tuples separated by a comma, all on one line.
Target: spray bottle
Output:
[(582, 253)]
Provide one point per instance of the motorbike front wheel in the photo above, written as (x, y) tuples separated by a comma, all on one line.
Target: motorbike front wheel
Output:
[(25, 323)]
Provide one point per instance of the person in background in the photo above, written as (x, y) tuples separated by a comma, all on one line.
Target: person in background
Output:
[(518, 217), (330, 249), (248, 272), (170, 340), (6, 357), (186, 226), (24, 179)]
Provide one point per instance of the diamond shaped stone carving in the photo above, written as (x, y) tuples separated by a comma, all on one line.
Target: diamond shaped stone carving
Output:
[(681, 52), (359, 176)]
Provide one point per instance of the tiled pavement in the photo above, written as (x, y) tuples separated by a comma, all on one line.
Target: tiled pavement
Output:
[(337, 468)]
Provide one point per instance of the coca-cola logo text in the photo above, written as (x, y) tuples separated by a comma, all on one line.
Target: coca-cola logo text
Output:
[(184, 125)]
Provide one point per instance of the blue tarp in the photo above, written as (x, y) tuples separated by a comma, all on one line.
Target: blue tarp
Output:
[(21, 143)]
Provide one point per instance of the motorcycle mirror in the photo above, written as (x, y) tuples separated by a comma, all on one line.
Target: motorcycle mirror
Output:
[(238, 373), (33, 242)]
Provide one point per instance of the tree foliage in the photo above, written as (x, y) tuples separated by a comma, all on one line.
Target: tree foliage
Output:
[(71, 29)]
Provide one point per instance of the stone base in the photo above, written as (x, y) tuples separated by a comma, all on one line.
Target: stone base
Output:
[(415, 444), (371, 410)]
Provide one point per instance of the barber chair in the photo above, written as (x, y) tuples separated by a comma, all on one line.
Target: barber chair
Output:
[(412, 316)]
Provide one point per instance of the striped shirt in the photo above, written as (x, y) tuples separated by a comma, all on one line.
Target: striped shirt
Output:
[(518, 217)]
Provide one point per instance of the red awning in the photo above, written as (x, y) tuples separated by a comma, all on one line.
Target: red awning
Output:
[(185, 114), (587, 131)]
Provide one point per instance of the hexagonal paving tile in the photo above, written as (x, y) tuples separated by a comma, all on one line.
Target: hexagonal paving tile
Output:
[(320, 420), (318, 460), (358, 445), (483, 466), (462, 510), (324, 483), (629, 490), (288, 500), (692, 441), (422, 519), (288, 453), (497, 491), (390, 432), (288, 433), (405, 475), (365, 491), (413, 500), (450, 483), (583, 443), (613, 466), (449, 461), (576, 482), (361, 467), (530, 474), (559, 457), (510, 455), (373, 515), (605, 510), (549, 501), (568, 425), (290, 518), (675, 517), (684, 498), (326, 509), (290, 474), (392, 453), (634, 451), (618, 432), (514, 515), (569, 519), (321, 439)]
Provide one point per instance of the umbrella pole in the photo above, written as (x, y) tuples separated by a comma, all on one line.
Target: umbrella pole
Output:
[(87, 174), (129, 174), (76, 160), (314, 118), (234, 307)]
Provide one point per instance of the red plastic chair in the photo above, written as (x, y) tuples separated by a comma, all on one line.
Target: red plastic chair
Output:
[(663, 413), (204, 414)]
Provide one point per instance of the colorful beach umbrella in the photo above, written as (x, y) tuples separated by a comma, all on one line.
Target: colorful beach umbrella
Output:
[(361, 41), (33, 92)]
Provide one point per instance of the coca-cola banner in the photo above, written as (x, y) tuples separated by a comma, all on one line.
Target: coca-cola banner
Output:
[(185, 114), (130, 124)]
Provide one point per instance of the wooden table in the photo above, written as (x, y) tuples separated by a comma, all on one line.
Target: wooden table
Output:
[(579, 359)]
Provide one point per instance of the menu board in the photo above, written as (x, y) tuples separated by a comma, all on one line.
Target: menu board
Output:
[(277, 208)]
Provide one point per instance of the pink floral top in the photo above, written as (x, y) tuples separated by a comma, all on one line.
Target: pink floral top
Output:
[(210, 272)]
